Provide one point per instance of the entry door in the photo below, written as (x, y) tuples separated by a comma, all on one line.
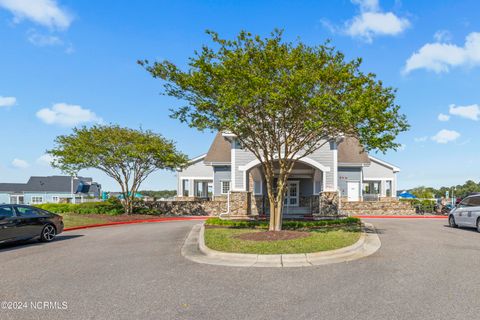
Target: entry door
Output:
[(353, 191), (291, 197)]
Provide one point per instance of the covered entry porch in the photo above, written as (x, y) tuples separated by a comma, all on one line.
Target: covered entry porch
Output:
[(302, 190)]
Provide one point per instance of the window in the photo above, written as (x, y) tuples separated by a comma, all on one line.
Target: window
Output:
[(55, 199), (6, 212), (474, 201), (185, 187), (36, 200), (388, 188), (257, 187), (225, 187), (28, 212)]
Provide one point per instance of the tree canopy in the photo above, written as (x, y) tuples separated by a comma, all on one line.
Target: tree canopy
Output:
[(127, 155), (282, 100)]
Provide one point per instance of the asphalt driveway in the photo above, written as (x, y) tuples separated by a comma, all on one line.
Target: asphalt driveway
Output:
[(424, 270)]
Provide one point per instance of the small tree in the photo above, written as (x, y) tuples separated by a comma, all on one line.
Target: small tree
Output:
[(128, 156), (282, 100)]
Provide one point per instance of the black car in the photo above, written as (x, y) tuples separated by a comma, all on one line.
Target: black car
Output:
[(21, 222)]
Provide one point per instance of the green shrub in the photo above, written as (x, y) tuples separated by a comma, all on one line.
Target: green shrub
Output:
[(106, 207), (287, 225)]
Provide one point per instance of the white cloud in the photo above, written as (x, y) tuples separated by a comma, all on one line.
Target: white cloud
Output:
[(367, 5), (44, 12), (20, 164), (45, 159), (420, 139), (67, 115), (443, 117), (441, 56), (7, 101), (443, 36), (471, 112), (373, 22), (445, 136), (42, 40)]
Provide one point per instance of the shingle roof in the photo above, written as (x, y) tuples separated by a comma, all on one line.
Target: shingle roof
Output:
[(219, 151), (12, 187), (52, 184), (351, 152)]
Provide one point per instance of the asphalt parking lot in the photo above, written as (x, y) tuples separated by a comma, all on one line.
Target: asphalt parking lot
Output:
[(423, 270)]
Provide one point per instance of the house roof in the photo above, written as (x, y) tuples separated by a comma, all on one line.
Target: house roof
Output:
[(53, 184), (350, 152), (12, 187), (219, 152), (385, 164)]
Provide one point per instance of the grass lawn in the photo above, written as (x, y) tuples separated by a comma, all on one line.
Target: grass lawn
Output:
[(224, 239), (76, 220)]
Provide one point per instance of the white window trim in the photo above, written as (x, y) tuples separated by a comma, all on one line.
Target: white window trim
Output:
[(35, 202), (229, 186), (55, 199)]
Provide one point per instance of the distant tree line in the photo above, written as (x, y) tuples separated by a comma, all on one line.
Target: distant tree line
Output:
[(159, 193), (458, 190)]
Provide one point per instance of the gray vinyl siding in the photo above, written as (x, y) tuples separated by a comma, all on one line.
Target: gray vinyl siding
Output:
[(324, 156), (47, 196), (197, 169), (220, 173), (377, 170), (242, 157), (346, 174), (4, 198)]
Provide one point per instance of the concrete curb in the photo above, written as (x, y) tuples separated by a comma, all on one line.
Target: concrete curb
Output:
[(195, 250)]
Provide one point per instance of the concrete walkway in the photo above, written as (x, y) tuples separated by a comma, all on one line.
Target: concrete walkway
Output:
[(195, 250)]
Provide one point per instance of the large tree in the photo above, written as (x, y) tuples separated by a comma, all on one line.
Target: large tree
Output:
[(282, 100), (127, 155)]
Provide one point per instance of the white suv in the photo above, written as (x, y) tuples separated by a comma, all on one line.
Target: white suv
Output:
[(466, 213)]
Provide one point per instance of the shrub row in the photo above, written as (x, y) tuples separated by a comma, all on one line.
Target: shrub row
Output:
[(110, 207), (421, 205), (287, 225)]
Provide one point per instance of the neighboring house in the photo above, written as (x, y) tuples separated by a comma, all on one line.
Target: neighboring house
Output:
[(338, 166), (52, 189)]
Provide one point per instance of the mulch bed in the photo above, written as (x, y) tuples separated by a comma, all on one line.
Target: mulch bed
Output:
[(272, 235)]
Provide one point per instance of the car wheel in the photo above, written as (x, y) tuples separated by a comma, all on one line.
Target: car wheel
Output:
[(48, 233), (478, 224), (451, 222)]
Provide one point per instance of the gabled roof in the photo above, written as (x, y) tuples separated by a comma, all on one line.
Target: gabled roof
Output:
[(385, 164), (219, 152), (350, 152)]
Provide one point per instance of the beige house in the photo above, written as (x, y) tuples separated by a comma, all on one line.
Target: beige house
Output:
[(228, 171)]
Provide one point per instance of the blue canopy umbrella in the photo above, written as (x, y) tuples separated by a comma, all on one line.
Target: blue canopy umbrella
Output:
[(406, 195)]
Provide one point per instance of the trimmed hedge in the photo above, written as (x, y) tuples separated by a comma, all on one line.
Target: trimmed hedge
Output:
[(106, 207), (287, 225)]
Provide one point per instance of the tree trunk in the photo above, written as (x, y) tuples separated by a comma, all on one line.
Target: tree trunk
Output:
[(276, 214), (127, 205)]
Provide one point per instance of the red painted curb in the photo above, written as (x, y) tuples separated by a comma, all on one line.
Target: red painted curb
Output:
[(136, 221), (400, 217)]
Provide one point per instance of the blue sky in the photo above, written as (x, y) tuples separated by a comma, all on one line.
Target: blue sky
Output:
[(65, 63)]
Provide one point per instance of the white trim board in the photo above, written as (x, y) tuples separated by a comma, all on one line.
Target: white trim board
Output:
[(385, 164)]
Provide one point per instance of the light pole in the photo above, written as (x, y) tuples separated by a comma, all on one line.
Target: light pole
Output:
[(71, 189)]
